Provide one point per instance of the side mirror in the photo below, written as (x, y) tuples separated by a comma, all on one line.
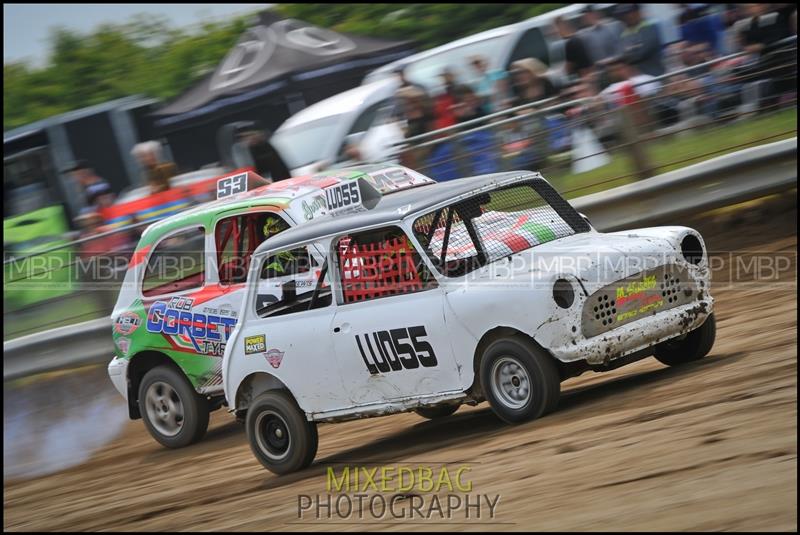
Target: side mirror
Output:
[(289, 292), (471, 208)]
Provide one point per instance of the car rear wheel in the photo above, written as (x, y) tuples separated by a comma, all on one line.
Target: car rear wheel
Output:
[(434, 413), (520, 380), (694, 346), (173, 413), (280, 436)]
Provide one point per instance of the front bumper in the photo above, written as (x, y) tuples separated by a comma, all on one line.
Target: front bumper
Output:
[(118, 373), (635, 336)]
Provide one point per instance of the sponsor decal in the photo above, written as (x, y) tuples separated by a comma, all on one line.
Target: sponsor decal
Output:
[(203, 333), (311, 209), (633, 295), (274, 357), (389, 351), (124, 344), (255, 344), (211, 381), (126, 323), (635, 290)]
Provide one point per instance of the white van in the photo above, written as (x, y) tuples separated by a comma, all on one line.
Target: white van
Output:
[(532, 38), (316, 137)]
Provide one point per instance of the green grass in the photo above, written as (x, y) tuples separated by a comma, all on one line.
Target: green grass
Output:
[(679, 150)]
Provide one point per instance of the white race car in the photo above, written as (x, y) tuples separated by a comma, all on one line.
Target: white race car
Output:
[(491, 288)]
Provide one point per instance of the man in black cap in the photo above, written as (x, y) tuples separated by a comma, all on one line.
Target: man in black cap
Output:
[(640, 40), (97, 191)]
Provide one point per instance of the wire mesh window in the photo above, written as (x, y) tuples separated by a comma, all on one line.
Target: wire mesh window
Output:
[(380, 263), (466, 235)]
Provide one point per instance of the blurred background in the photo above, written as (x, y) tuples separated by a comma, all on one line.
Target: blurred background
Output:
[(115, 116)]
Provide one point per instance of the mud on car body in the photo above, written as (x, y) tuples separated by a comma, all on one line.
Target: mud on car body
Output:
[(182, 292), (490, 288)]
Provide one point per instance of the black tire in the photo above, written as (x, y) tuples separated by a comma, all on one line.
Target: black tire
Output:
[(280, 437), (193, 407), (696, 345), (439, 411), (540, 371)]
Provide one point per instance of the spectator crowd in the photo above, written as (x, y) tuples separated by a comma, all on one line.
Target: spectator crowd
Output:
[(611, 60)]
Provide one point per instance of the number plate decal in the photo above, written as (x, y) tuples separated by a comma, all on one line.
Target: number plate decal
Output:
[(231, 185), (344, 197)]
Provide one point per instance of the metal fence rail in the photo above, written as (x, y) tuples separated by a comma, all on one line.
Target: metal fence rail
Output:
[(732, 178)]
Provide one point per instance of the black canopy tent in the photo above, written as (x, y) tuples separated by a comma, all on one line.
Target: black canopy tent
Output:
[(277, 67)]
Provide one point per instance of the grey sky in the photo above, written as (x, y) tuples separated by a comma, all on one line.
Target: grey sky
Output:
[(26, 26)]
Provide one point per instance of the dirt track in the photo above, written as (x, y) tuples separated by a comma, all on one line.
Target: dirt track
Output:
[(711, 446)]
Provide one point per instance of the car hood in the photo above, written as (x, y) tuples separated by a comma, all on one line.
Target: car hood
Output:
[(594, 259)]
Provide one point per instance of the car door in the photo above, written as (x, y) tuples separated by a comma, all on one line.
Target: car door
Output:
[(288, 336), (389, 332)]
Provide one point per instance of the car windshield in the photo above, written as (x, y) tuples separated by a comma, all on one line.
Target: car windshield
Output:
[(481, 229), (304, 144)]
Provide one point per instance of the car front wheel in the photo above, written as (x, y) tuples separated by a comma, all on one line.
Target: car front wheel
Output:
[(280, 436), (693, 346), (520, 380)]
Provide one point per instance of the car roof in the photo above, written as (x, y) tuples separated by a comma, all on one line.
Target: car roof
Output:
[(395, 208), (278, 194)]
